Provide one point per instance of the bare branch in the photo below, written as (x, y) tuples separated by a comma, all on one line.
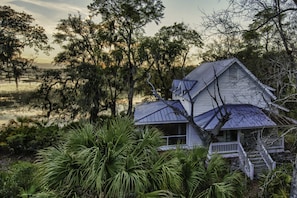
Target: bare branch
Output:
[(204, 135), (225, 116)]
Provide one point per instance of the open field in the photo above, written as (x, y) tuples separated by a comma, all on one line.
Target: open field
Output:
[(14, 103), (6, 87)]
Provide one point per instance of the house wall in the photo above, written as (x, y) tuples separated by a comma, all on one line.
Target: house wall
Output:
[(235, 87), (192, 137), (186, 104)]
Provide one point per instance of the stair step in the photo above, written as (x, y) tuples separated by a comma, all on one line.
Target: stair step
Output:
[(258, 162), (254, 155), (260, 166), (255, 158)]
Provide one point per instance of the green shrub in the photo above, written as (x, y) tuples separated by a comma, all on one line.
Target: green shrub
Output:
[(18, 178), (28, 136), (276, 183)]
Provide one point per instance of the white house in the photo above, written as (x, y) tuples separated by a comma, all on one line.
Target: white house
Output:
[(209, 93)]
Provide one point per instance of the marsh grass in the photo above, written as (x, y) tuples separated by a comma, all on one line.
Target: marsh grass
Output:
[(16, 102), (10, 87)]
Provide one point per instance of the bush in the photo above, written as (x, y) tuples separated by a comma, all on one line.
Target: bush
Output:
[(26, 136), (276, 183), (17, 179)]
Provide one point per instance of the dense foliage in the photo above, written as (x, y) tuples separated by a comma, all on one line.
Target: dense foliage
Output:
[(115, 157), (118, 159), (276, 183), (17, 180), (108, 61), (25, 136)]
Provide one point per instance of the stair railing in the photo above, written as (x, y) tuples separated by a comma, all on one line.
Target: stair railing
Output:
[(265, 155), (245, 162)]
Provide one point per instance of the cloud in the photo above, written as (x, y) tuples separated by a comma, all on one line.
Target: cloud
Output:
[(48, 13)]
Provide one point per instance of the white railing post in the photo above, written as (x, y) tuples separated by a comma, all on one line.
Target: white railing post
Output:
[(224, 148), (247, 166), (233, 149), (265, 155), (167, 138), (283, 142)]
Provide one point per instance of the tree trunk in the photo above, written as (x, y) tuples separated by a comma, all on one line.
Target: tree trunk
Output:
[(95, 110), (130, 96)]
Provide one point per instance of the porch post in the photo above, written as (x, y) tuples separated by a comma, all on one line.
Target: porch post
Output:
[(210, 149), (259, 135)]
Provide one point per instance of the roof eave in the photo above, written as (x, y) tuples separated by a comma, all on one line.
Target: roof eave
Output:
[(244, 128), (164, 122)]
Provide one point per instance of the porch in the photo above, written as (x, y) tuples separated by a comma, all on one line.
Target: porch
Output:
[(252, 162)]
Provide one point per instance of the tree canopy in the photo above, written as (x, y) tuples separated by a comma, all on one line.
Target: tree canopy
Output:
[(18, 31), (127, 20)]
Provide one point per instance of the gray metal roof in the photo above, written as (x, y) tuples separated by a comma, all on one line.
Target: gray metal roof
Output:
[(179, 85), (243, 116), (159, 112), (207, 72)]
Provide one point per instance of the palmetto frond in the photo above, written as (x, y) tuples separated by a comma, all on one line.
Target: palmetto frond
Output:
[(111, 161)]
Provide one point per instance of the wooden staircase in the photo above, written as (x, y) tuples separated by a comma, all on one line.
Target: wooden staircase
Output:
[(253, 162), (257, 160)]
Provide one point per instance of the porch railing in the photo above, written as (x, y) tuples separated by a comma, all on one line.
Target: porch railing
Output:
[(265, 155), (245, 163), (233, 149), (274, 144), (224, 148), (175, 139)]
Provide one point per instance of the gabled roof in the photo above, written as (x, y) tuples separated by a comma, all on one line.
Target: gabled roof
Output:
[(243, 116), (208, 72), (179, 85), (159, 112)]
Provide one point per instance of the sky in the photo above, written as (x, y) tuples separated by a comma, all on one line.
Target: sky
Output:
[(47, 14)]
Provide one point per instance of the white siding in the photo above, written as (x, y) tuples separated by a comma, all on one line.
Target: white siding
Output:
[(186, 104), (234, 88), (192, 137)]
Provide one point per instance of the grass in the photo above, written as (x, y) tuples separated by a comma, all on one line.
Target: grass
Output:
[(15, 102), (9, 87)]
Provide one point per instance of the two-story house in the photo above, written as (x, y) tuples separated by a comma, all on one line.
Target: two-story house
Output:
[(211, 93)]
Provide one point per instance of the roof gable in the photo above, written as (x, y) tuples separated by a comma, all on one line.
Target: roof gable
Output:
[(208, 72)]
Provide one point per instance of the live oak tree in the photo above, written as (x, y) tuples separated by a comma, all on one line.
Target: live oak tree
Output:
[(127, 19), (75, 89), (168, 52), (92, 80), (18, 32)]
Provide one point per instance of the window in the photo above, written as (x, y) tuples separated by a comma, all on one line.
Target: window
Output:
[(227, 136), (231, 136), (173, 133)]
